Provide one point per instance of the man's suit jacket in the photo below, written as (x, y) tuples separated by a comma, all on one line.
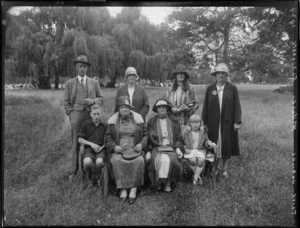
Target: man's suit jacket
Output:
[(94, 92), (139, 99)]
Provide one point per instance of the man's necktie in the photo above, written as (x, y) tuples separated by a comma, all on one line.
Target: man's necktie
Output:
[(82, 81)]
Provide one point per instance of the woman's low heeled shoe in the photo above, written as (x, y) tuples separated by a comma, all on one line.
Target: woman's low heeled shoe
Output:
[(122, 199), (131, 200)]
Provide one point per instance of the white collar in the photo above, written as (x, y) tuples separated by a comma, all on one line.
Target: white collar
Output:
[(220, 87), (84, 79)]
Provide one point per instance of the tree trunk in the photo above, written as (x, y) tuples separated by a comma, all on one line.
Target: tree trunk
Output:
[(56, 82), (226, 44)]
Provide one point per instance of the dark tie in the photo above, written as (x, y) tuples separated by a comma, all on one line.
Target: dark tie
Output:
[(82, 81)]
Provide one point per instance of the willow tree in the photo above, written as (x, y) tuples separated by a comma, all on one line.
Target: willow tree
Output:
[(125, 39)]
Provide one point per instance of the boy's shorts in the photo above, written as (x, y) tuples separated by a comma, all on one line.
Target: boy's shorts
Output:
[(90, 153)]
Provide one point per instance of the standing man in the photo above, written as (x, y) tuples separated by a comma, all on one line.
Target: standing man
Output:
[(222, 114), (80, 93)]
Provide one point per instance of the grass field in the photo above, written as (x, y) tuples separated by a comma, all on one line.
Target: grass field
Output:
[(37, 192)]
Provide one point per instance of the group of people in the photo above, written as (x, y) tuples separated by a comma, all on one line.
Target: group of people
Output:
[(135, 150)]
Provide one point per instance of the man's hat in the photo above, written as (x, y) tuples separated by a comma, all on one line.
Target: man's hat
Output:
[(162, 102), (131, 70), (123, 100), (81, 59), (180, 68)]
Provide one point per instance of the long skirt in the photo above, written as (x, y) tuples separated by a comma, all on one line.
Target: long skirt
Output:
[(173, 172), (128, 173)]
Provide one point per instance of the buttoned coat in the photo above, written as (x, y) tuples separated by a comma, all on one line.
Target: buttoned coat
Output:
[(94, 93), (140, 100), (231, 113)]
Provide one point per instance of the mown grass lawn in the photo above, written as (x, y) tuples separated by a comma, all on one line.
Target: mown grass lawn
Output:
[(37, 145)]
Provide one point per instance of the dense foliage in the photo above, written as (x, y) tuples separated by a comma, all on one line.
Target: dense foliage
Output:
[(256, 41)]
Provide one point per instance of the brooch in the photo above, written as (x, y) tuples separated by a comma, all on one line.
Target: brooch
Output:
[(214, 92)]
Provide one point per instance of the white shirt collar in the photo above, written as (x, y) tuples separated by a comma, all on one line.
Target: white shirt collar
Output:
[(220, 87), (84, 78)]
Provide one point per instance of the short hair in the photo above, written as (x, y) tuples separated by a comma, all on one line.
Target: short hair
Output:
[(95, 106)]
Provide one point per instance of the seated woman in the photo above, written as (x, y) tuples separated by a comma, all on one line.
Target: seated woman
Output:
[(125, 140), (196, 143), (164, 147)]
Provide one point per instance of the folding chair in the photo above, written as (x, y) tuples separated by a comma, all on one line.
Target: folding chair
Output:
[(209, 171), (103, 175)]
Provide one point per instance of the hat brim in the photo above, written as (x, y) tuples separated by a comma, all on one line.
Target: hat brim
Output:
[(76, 61), (179, 72), (154, 108), (136, 77), (129, 106), (214, 73)]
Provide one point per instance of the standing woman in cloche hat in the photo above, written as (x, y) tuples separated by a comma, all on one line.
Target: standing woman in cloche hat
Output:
[(222, 115), (181, 94), (137, 95)]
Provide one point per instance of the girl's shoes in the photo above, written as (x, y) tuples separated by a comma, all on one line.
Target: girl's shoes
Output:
[(167, 188), (196, 181)]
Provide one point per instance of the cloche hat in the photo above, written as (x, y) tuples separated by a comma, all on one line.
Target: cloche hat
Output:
[(161, 102), (180, 68), (221, 67), (81, 59), (131, 70), (123, 100)]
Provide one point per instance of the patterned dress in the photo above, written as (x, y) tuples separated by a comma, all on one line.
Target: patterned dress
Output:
[(179, 97), (127, 134), (164, 138)]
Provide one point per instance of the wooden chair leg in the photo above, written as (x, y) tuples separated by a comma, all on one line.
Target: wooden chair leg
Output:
[(80, 161)]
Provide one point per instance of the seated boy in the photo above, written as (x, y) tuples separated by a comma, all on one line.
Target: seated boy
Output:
[(91, 134)]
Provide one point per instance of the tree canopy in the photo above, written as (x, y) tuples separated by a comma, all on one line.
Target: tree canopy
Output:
[(44, 41)]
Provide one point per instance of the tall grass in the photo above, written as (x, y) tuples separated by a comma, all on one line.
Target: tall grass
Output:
[(258, 192)]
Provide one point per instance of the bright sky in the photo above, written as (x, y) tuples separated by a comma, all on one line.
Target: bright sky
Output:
[(156, 15)]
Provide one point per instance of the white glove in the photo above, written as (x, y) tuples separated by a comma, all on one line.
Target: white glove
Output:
[(148, 156), (178, 151)]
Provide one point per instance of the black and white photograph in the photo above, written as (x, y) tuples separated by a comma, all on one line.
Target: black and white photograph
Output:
[(149, 113)]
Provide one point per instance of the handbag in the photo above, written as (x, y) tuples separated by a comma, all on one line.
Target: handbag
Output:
[(130, 154), (192, 103), (165, 149)]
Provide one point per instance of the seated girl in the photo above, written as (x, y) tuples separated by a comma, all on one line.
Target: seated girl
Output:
[(196, 142)]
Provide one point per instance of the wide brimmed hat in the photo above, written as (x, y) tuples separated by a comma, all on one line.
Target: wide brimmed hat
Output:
[(162, 102), (180, 68), (131, 70), (221, 67), (81, 59), (123, 100)]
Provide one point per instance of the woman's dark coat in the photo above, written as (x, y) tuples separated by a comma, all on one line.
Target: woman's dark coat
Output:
[(231, 113), (140, 100)]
